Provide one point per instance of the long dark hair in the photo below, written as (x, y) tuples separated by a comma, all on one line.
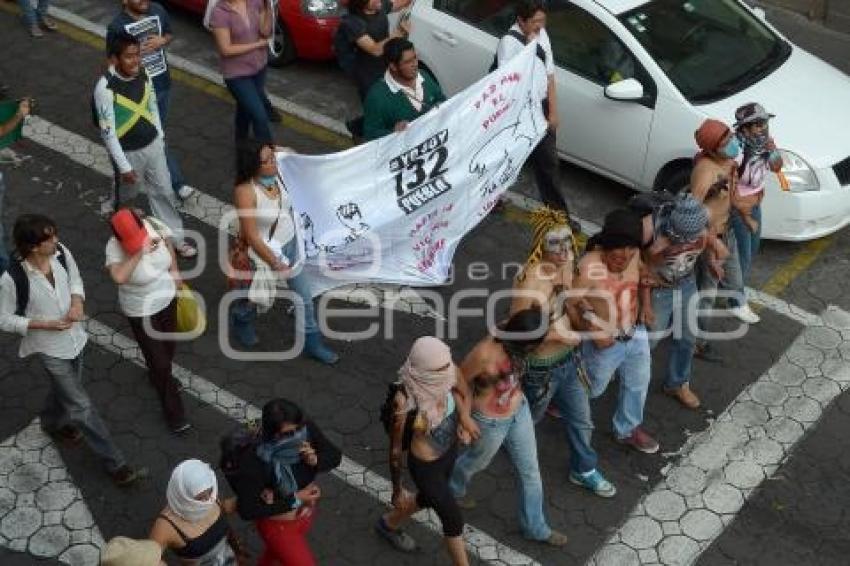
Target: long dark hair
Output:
[(525, 329), (248, 158), (30, 231), (278, 412)]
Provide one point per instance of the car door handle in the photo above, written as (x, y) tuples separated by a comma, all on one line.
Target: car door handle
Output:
[(444, 37)]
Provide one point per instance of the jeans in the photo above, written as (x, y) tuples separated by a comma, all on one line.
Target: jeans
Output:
[(748, 242), (4, 252), (733, 280), (68, 404), (629, 359), (245, 312), (33, 16), (251, 113), (670, 305), (561, 385), (516, 433), (151, 167), (159, 354), (163, 98), (547, 172)]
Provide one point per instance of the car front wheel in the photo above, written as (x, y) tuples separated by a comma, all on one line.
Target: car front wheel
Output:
[(282, 51)]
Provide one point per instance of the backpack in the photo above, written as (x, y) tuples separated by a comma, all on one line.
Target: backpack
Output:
[(344, 48), (541, 54), (235, 445), (388, 413), (22, 282)]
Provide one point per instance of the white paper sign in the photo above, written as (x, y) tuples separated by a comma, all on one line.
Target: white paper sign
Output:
[(394, 210), (153, 62)]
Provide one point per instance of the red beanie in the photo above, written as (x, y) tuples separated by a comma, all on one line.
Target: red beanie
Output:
[(129, 230), (710, 133)]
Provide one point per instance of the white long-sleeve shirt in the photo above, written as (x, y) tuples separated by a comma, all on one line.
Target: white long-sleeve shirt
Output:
[(46, 302), (104, 100)]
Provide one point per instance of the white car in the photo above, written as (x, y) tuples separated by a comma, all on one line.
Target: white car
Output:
[(636, 78)]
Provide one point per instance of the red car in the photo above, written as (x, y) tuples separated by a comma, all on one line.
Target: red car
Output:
[(303, 29)]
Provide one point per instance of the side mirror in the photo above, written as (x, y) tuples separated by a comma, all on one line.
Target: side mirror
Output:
[(760, 13), (625, 90)]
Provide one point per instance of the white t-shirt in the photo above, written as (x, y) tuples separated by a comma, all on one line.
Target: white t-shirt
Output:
[(150, 287), (509, 47)]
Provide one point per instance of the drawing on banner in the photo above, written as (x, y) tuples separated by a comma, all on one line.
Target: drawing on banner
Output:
[(352, 249), (495, 151), (153, 62), (420, 173), (427, 241), (350, 216), (311, 248)]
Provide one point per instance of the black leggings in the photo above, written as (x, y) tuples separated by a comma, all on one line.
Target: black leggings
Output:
[(432, 481)]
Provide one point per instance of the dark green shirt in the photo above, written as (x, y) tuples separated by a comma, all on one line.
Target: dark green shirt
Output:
[(384, 108)]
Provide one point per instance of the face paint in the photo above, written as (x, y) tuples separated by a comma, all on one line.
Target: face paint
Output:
[(731, 149), (558, 241)]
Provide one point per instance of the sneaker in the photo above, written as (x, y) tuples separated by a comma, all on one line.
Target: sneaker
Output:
[(640, 440), (396, 537), (467, 502), (47, 24), (124, 476), (745, 314), (185, 192), (181, 427), (595, 482), (706, 352), (186, 250), (36, 33), (556, 539), (685, 396)]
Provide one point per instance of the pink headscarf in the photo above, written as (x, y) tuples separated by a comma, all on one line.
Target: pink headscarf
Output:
[(425, 381)]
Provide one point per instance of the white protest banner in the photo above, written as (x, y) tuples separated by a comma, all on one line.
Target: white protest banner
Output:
[(394, 210)]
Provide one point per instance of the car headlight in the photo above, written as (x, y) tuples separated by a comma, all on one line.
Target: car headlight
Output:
[(320, 8), (801, 177)]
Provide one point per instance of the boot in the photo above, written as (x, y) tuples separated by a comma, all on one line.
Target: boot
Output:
[(315, 347), (242, 327)]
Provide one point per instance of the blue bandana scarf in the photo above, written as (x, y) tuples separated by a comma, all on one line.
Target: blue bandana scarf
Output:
[(282, 455)]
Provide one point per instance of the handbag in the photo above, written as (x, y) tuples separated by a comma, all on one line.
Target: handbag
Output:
[(240, 265), (189, 317)]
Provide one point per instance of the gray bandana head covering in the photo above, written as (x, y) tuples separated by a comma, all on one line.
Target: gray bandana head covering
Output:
[(687, 219)]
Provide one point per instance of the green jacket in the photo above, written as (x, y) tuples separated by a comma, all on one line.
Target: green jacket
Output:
[(383, 108)]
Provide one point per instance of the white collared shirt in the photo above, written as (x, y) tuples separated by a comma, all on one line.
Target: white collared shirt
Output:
[(46, 302), (414, 95)]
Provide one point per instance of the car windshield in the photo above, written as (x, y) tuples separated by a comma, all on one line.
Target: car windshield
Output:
[(710, 49)]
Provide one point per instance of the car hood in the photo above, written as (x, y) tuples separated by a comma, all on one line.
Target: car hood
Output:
[(810, 101)]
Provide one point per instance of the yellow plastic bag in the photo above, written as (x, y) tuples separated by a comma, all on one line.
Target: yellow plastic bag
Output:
[(190, 316)]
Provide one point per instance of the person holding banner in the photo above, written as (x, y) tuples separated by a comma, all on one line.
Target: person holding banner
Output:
[(6, 129), (402, 96), (241, 29), (530, 26), (501, 417), (267, 230)]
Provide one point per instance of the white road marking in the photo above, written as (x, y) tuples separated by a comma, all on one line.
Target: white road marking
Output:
[(720, 468)]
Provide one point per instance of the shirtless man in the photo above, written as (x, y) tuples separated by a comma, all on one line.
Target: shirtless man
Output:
[(492, 371), (552, 370), (713, 182), (610, 274), (679, 239)]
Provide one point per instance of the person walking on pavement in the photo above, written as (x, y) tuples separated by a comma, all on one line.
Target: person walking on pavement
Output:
[(274, 481), (530, 26), (615, 309), (404, 94), (42, 299), (679, 240), (425, 415), (501, 417), (6, 127), (268, 242), (555, 373), (153, 43), (128, 117), (241, 29), (194, 524), (141, 262), (36, 19)]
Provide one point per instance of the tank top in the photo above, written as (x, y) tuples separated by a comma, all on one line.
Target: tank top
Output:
[(444, 435), (270, 209), (210, 548)]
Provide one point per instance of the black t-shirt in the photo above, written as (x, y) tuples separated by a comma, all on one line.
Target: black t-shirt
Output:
[(367, 68)]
